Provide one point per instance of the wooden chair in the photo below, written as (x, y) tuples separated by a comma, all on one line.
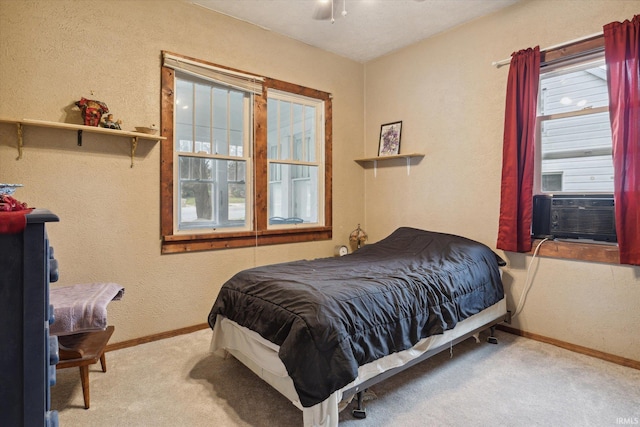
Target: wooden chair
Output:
[(82, 350)]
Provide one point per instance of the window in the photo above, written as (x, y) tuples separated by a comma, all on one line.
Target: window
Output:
[(293, 153), (212, 133), (552, 181), (574, 147), (246, 162), (574, 131)]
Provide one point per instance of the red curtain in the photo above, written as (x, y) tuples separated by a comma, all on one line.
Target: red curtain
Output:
[(516, 197), (622, 54)]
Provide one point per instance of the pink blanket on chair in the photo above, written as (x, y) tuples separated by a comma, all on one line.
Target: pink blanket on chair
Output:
[(82, 308)]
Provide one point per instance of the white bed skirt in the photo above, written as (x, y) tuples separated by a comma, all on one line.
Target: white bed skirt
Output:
[(261, 356)]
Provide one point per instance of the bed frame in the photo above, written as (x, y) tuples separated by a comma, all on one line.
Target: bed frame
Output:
[(261, 356), (360, 411)]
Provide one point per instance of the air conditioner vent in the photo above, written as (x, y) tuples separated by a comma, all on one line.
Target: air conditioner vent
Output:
[(576, 216)]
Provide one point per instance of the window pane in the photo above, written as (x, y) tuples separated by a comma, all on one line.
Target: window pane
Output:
[(291, 131), (236, 140), (184, 115), (237, 125), (196, 190), (575, 148), (202, 105), (576, 136), (293, 194), (310, 133), (202, 115), (272, 128), (593, 174), (220, 120), (237, 187), (580, 149), (236, 107), (184, 138), (297, 125), (551, 182), (284, 127), (203, 140), (573, 89), (212, 193)]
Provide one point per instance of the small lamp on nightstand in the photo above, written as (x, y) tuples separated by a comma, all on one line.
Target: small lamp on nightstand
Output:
[(358, 237)]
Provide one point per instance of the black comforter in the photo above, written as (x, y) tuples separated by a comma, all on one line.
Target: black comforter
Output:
[(331, 315)]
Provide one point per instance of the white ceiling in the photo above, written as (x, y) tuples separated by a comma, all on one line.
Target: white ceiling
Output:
[(371, 28)]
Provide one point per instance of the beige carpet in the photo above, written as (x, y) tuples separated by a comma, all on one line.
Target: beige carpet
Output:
[(519, 382)]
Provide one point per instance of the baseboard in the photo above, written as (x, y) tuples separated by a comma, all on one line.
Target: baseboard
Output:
[(156, 337), (573, 347), (562, 344)]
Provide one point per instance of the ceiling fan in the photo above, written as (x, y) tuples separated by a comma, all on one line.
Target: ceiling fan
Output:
[(326, 10)]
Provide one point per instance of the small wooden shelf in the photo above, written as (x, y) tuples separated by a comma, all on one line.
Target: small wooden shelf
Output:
[(394, 156), (377, 159), (135, 136)]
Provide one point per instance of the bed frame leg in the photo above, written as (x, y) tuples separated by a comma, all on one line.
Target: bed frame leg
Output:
[(360, 412), (492, 339)]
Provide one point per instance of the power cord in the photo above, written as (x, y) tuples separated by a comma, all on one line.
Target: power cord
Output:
[(527, 284)]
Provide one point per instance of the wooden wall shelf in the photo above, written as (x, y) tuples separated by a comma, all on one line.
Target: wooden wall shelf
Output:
[(135, 136), (377, 159)]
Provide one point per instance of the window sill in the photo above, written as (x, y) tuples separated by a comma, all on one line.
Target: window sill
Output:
[(205, 242), (594, 252)]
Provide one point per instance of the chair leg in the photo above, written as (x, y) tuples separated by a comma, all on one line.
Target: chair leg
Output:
[(84, 378), (103, 363)]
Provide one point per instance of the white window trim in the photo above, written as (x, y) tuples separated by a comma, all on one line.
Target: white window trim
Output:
[(319, 106), (247, 157)]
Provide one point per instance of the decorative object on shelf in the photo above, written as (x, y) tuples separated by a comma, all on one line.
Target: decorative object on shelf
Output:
[(390, 139), (151, 130), (110, 123), (92, 111), (9, 189), (12, 211), (340, 250), (11, 204), (358, 237)]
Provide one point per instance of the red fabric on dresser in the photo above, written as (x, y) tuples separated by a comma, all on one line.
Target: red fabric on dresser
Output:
[(13, 222)]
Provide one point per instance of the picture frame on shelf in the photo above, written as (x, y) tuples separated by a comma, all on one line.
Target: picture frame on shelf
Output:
[(390, 134)]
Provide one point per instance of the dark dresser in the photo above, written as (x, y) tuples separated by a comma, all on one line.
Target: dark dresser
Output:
[(28, 354)]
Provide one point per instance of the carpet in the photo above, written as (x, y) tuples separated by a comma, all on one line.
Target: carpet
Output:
[(518, 382)]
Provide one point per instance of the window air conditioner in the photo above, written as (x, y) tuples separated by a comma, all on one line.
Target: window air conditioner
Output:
[(574, 217)]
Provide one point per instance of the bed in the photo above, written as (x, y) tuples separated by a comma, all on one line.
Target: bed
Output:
[(320, 331)]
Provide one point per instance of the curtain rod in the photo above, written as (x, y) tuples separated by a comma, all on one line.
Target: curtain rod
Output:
[(504, 62)]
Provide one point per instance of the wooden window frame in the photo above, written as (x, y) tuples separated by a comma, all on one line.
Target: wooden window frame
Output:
[(260, 235)]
